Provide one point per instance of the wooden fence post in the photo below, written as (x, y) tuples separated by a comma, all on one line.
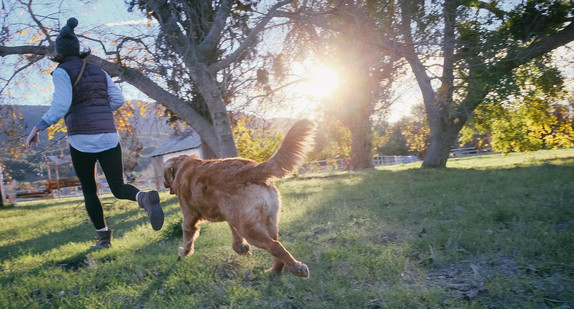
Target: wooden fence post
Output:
[(2, 194)]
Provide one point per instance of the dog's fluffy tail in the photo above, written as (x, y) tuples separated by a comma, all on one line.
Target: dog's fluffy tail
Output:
[(297, 143)]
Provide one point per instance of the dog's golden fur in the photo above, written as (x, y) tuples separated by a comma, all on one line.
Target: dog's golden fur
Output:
[(241, 192)]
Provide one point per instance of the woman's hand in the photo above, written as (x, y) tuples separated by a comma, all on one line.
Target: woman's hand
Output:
[(32, 140)]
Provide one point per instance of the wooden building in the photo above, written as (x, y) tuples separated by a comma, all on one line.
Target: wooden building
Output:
[(189, 144)]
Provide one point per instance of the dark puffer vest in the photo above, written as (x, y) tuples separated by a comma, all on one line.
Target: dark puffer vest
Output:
[(90, 112)]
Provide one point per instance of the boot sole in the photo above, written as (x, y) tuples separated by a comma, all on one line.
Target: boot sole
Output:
[(156, 216)]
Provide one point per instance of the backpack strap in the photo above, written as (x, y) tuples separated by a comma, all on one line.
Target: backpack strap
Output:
[(81, 72)]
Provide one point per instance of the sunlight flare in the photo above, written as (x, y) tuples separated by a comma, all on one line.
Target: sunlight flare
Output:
[(323, 82)]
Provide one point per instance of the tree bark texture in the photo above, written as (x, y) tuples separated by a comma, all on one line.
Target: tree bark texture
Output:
[(361, 145)]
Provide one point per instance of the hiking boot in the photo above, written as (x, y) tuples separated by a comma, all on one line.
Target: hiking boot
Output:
[(150, 202), (104, 239)]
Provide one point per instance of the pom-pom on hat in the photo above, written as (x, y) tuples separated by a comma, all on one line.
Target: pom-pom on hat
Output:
[(67, 43)]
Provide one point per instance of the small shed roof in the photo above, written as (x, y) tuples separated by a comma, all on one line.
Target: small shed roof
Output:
[(178, 143)]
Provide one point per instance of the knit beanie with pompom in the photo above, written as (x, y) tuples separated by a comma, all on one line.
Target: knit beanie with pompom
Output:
[(67, 43)]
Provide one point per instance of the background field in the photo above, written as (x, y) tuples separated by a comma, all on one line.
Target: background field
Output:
[(488, 232)]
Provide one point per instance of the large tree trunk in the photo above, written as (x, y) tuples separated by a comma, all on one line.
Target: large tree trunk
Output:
[(445, 122), (444, 126), (212, 95), (355, 116), (441, 140), (361, 145), (358, 99)]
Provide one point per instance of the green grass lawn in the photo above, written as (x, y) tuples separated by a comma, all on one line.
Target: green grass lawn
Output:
[(488, 232)]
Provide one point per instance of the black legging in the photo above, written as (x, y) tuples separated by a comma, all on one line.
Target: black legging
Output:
[(111, 163)]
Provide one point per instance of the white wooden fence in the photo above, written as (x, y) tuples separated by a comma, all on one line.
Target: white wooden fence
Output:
[(393, 160), (344, 163), (468, 151)]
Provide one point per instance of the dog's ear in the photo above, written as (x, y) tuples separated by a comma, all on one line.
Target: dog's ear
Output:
[(169, 171)]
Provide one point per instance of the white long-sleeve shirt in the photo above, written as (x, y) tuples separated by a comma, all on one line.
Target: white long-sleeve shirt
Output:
[(61, 102)]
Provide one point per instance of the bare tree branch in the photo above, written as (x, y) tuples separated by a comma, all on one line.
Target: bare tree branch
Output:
[(20, 69), (153, 90), (539, 48), (99, 42), (40, 25), (168, 24), (216, 67), (283, 86), (213, 38), (491, 7), (24, 49)]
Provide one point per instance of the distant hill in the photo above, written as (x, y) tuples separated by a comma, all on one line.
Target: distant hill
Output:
[(276, 124), (30, 114)]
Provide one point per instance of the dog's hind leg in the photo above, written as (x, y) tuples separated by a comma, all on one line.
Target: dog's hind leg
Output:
[(260, 237), (190, 232), (240, 245), (278, 266), (272, 222)]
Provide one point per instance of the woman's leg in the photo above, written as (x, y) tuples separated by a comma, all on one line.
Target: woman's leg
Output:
[(112, 165), (85, 166), (111, 162)]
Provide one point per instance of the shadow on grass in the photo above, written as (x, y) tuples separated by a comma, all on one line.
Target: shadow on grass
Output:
[(124, 222), (48, 241), (26, 206), (75, 262), (371, 194)]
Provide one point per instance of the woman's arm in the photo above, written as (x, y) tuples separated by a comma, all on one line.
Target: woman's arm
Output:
[(114, 93), (32, 140), (62, 99), (61, 102)]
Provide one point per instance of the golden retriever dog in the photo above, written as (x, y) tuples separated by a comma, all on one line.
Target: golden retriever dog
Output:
[(241, 192)]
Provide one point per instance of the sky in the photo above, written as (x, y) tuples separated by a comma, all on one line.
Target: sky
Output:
[(97, 13), (90, 14)]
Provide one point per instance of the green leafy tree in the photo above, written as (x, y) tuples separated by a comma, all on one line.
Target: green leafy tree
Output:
[(11, 129), (416, 130), (391, 141), (254, 144), (474, 49), (408, 135), (19, 169), (533, 119), (333, 141)]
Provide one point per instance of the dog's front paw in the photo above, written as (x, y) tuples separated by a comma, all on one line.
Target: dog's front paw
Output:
[(182, 252), (242, 248), (299, 269)]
